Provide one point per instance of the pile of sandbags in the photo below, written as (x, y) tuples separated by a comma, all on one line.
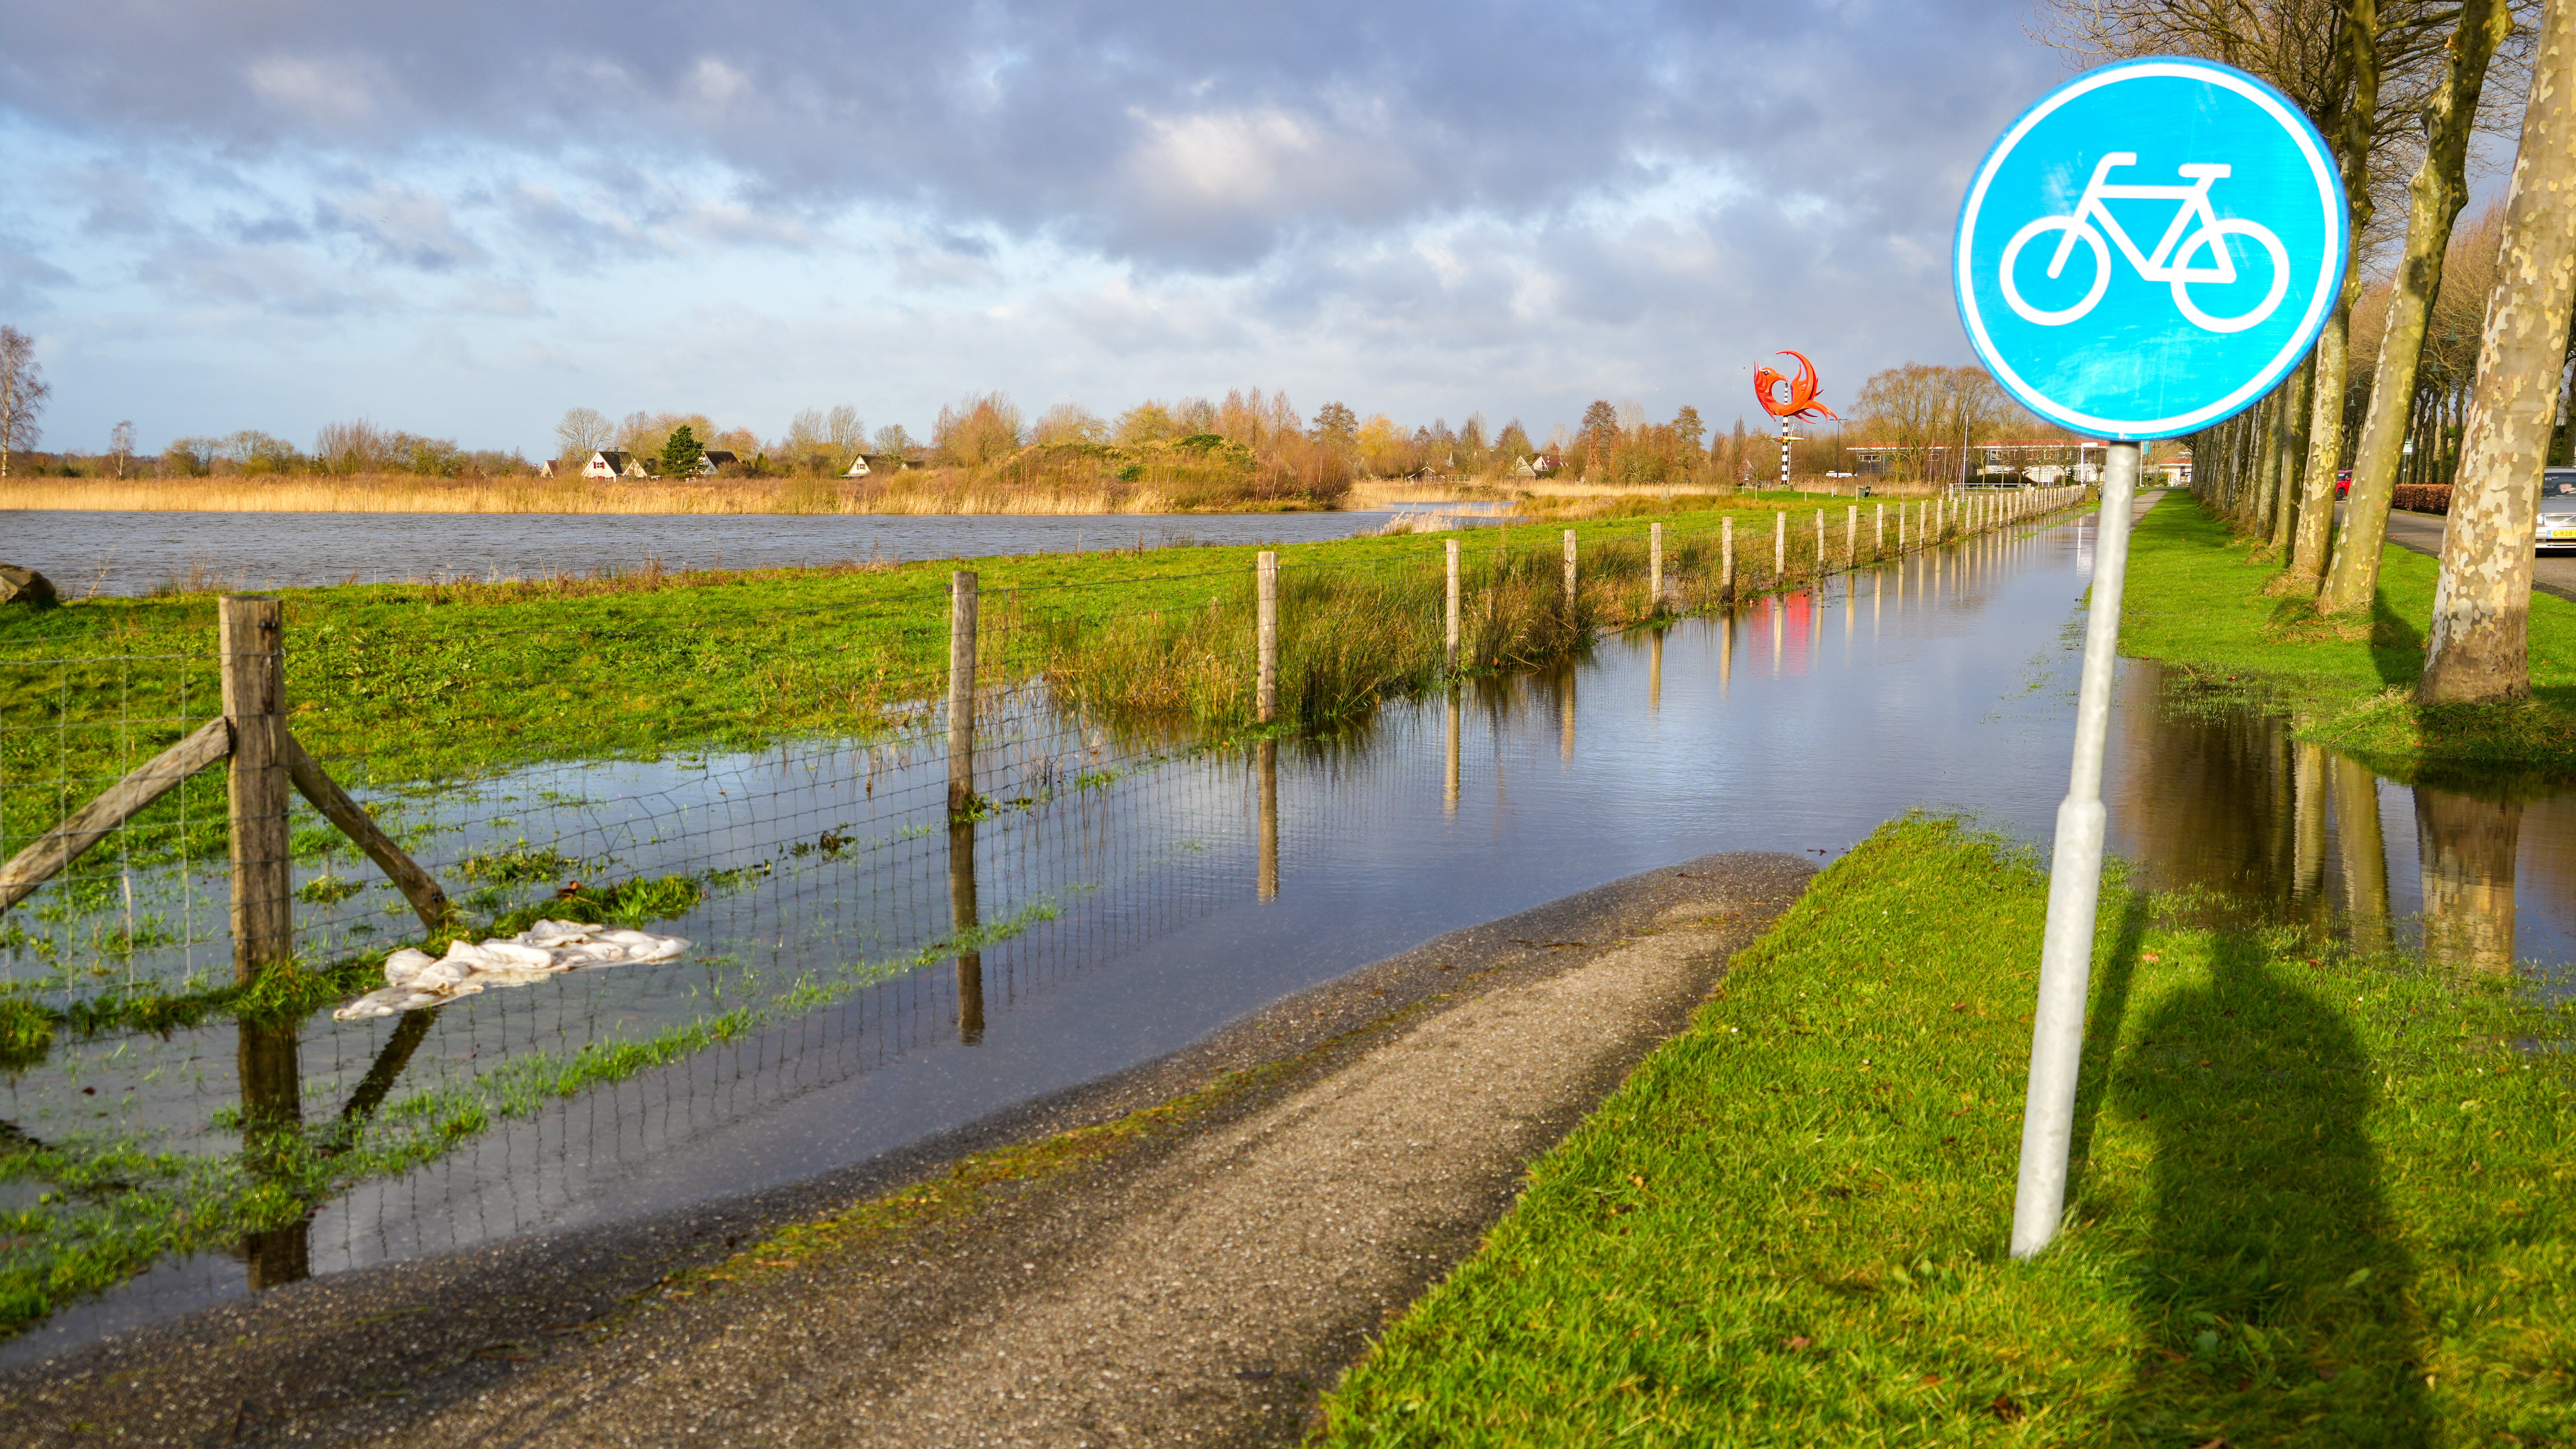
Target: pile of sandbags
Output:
[(548, 948)]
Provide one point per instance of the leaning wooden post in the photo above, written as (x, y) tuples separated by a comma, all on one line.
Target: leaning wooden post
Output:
[(1726, 561), (1817, 570), (250, 634), (1451, 650), (1569, 571), (961, 693), (1655, 566), (1265, 688)]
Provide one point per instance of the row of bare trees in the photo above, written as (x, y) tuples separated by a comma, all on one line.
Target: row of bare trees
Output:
[(2402, 86)]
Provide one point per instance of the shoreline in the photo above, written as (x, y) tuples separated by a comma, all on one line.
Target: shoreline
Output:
[(422, 1351)]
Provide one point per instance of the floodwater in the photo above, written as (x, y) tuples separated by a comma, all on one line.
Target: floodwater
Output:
[(1139, 896), (90, 553)]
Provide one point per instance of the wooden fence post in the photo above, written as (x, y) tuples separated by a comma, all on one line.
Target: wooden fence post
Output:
[(1265, 688), (1655, 566), (1452, 646), (961, 693), (1779, 546), (1818, 571), (1569, 571), (250, 635), (1878, 544), (1726, 561)]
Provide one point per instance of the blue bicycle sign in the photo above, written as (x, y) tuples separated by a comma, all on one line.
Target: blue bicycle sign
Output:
[(2093, 330)]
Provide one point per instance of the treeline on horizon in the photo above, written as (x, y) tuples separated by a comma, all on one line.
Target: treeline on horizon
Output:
[(1250, 445)]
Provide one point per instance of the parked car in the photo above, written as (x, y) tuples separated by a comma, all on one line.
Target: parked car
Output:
[(2343, 483), (2557, 523)]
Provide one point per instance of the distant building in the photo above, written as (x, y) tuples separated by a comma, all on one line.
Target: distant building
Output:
[(604, 463), (546, 469), (858, 468), (715, 458)]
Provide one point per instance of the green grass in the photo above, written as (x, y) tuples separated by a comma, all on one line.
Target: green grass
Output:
[(2195, 600), (401, 684), (2319, 1200)]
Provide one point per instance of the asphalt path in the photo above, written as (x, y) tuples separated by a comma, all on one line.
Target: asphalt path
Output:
[(2551, 573)]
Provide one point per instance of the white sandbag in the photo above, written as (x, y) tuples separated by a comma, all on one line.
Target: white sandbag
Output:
[(548, 948)]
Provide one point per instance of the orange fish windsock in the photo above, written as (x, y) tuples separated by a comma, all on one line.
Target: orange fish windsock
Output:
[(1801, 403)]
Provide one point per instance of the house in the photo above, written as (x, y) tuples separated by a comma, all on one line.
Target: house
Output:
[(604, 464), (639, 468), (858, 467), (715, 458)]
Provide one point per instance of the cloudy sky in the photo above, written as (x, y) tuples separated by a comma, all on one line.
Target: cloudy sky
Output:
[(463, 218)]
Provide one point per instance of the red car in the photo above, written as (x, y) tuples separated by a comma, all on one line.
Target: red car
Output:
[(2343, 483)]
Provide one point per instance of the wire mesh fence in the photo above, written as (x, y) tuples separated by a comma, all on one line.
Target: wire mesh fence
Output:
[(772, 783)]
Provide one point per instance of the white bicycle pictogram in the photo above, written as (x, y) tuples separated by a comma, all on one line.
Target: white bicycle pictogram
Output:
[(2171, 260)]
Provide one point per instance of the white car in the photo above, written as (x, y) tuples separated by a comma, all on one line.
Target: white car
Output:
[(2557, 528)]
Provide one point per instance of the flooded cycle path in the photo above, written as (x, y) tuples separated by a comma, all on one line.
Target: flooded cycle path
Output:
[(1208, 886)]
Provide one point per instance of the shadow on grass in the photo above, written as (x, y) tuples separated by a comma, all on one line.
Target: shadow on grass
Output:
[(2274, 1303), (2396, 644)]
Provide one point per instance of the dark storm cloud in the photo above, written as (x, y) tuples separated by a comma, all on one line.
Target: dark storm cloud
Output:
[(1179, 135)]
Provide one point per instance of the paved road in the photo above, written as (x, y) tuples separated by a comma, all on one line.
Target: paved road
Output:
[(2552, 573)]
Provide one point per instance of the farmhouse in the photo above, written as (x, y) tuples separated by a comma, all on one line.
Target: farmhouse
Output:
[(606, 463), (715, 458)]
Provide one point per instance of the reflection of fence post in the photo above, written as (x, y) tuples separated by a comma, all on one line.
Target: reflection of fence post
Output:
[(250, 636), (1266, 754), (1265, 686), (1450, 652), (965, 920), (961, 693), (1655, 567), (1569, 571), (1726, 561), (1449, 755), (1655, 672)]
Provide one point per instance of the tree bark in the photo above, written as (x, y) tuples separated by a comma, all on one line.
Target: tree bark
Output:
[(2479, 644), (2434, 198), (2294, 407), (2357, 93)]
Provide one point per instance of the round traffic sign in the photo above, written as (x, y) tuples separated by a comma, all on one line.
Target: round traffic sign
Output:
[(2150, 248)]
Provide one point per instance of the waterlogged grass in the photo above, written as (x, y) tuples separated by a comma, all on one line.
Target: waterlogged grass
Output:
[(107, 1208), (2197, 598), (2320, 1199), (398, 684)]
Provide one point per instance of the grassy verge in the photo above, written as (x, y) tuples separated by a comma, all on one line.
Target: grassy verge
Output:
[(2320, 1200), (2195, 600)]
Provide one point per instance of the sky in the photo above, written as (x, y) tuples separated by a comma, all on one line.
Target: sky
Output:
[(462, 219)]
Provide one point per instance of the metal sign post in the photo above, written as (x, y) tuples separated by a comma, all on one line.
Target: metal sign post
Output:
[(2146, 251)]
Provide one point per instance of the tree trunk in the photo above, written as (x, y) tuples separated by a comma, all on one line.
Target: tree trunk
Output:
[(2276, 425), (2434, 198), (2479, 647), (2357, 92), (2294, 409)]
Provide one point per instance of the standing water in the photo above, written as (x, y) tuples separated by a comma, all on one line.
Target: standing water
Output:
[(1108, 924)]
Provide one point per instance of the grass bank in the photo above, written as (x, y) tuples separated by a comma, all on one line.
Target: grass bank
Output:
[(2320, 1199), (2197, 598)]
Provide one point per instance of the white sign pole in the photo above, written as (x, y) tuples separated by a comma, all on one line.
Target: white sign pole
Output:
[(2074, 885)]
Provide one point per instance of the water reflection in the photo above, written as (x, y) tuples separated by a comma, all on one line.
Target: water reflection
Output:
[(964, 920), (2218, 797)]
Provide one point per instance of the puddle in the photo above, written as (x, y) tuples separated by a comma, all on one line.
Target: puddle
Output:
[(1134, 897)]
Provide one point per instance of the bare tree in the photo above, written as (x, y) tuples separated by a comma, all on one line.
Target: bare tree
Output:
[(582, 432), (2479, 649), (2434, 199), (120, 444), (844, 434), (23, 391)]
